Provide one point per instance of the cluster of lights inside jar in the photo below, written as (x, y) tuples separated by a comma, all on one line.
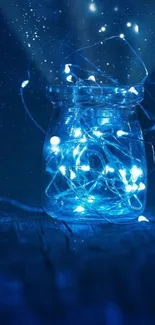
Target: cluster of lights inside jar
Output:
[(130, 179), (77, 168)]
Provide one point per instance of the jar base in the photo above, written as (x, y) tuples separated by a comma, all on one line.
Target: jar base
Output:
[(96, 216)]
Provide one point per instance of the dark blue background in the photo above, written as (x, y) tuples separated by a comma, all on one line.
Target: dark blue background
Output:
[(107, 278)]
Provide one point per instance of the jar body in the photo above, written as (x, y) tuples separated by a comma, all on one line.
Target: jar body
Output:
[(95, 166)]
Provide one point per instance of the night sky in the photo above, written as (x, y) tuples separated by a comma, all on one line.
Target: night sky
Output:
[(31, 32)]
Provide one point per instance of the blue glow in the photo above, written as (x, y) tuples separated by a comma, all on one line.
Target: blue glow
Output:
[(92, 160), (100, 171)]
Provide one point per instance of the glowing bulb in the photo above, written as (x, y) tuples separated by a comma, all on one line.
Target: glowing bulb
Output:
[(75, 152), (120, 133), (24, 83), (128, 188), (129, 24), (141, 186), (79, 209), (69, 78), (85, 168), (109, 169), (92, 7), (97, 133), (142, 218), (134, 187), (131, 188), (135, 173), (67, 68), (72, 174), (77, 133), (133, 90), (55, 141), (62, 169), (83, 139), (105, 120), (92, 78), (103, 29), (123, 175), (136, 29), (121, 36)]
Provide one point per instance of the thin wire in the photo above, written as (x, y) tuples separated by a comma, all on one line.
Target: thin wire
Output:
[(26, 108), (21, 205)]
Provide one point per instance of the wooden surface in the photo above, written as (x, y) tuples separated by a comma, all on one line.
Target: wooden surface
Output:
[(104, 275)]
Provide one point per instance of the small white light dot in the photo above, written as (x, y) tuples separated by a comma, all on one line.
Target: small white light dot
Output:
[(75, 152), (128, 188), (24, 83), (92, 78), (77, 132), (55, 141), (79, 209), (103, 29), (120, 133), (129, 24), (141, 186), (109, 169), (142, 218), (67, 68), (97, 133), (69, 78), (92, 7), (62, 169), (83, 139), (85, 168), (133, 90), (136, 29), (72, 174), (121, 35), (134, 187)]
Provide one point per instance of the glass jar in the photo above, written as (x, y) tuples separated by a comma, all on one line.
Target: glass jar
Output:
[(95, 162)]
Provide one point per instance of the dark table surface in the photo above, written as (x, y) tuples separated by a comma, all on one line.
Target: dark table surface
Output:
[(103, 274)]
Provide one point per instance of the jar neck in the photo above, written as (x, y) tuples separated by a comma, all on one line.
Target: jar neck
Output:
[(95, 99)]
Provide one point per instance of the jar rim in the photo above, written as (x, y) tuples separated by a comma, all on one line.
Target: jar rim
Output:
[(94, 94)]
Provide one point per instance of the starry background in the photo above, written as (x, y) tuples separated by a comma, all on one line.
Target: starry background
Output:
[(25, 27)]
